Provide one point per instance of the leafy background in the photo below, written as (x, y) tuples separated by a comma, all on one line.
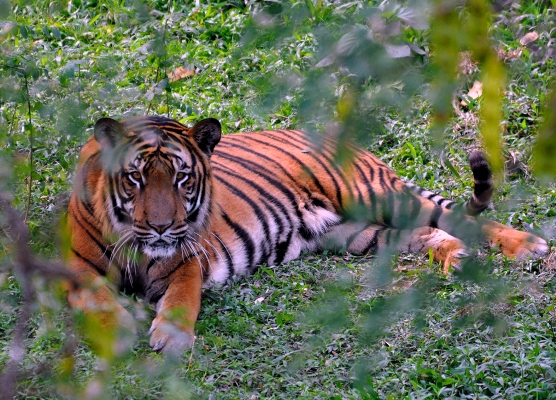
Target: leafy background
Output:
[(388, 75)]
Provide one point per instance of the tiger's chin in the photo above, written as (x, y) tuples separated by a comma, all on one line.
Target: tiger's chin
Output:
[(159, 251)]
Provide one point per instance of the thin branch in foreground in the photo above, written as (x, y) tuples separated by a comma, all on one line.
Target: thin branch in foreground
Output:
[(24, 266), (31, 140)]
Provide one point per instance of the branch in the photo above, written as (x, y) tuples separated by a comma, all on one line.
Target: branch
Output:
[(30, 183), (25, 265)]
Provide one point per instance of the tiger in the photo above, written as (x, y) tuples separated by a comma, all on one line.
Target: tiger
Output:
[(165, 211)]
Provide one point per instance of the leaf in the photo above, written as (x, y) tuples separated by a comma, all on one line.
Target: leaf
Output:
[(94, 19), (397, 51), (24, 32), (326, 61), (347, 43), (509, 55), (447, 163), (529, 37), (413, 18), (412, 150), (56, 33), (5, 9), (416, 49)]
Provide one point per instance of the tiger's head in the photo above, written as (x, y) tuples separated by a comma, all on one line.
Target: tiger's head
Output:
[(157, 189)]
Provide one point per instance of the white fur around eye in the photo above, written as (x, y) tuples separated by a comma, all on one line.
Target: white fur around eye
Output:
[(181, 178), (135, 177)]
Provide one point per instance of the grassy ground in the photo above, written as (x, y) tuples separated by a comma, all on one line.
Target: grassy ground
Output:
[(324, 326)]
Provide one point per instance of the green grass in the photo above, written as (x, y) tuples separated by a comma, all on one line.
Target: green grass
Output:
[(326, 325)]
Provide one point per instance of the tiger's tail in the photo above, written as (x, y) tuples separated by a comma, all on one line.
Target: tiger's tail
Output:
[(482, 190)]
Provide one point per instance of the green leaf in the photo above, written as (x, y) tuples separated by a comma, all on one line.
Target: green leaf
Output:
[(412, 150), (24, 32), (5, 9), (94, 19), (446, 161), (56, 33)]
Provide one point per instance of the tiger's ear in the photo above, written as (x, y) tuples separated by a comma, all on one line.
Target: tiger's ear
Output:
[(107, 132), (207, 134)]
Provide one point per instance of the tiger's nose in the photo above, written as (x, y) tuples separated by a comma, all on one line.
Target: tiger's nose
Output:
[(160, 228)]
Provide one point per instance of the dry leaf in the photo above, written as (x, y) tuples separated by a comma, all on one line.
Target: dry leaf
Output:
[(475, 92), (466, 64), (514, 165), (514, 54), (181, 72), (529, 38), (509, 55)]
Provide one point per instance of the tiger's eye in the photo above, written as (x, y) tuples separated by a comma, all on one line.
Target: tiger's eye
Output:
[(136, 175), (180, 176)]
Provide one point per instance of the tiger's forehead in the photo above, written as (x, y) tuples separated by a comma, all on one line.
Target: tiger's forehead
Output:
[(154, 146)]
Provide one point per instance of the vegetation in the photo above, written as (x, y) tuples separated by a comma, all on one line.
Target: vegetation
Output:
[(327, 325)]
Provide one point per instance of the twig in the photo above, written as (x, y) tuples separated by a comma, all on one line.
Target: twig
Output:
[(12, 123), (30, 181), (25, 265)]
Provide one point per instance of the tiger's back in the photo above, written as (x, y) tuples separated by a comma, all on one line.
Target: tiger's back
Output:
[(167, 209), (278, 192)]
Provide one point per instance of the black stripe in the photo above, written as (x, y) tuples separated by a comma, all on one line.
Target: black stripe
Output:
[(151, 263), (112, 192), (219, 151), (318, 158), (90, 263), (201, 178), (370, 186), (365, 180), (389, 205), (229, 260), (244, 237), (415, 209), (85, 218), (329, 146), (267, 175), (105, 251), (305, 233), (258, 212), (381, 180), (372, 247), (157, 287), (353, 236), (442, 201), (270, 202), (435, 216)]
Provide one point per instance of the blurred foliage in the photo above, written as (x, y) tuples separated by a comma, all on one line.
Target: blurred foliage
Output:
[(544, 151), (351, 69), (464, 27)]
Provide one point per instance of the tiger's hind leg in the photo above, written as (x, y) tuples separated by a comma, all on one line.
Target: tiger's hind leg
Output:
[(369, 239), (513, 243)]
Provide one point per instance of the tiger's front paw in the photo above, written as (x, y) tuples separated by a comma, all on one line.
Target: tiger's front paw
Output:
[(168, 337)]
